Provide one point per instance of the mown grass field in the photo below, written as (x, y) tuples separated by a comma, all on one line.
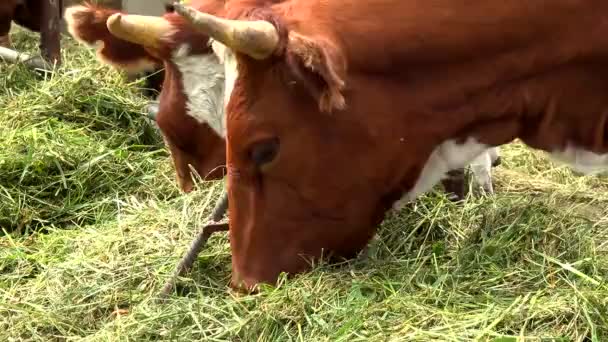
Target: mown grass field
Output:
[(93, 225)]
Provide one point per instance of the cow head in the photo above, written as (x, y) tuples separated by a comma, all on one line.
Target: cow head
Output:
[(303, 175), (191, 102)]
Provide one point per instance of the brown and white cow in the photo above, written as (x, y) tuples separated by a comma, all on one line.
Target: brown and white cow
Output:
[(140, 51), (191, 102), (316, 150)]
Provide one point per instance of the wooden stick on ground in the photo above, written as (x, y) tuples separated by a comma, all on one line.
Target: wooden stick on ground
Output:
[(188, 260), (35, 62)]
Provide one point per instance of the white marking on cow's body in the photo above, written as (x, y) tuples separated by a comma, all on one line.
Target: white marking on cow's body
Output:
[(447, 156), (203, 82), (581, 160), (494, 154), (482, 169)]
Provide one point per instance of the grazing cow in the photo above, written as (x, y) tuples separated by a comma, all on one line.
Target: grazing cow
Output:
[(191, 102), (140, 51), (316, 151)]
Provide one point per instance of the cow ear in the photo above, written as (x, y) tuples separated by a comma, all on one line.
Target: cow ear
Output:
[(319, 65), (87, 24)]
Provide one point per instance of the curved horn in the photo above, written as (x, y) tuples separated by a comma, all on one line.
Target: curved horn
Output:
[(258, 39), (139, 29)]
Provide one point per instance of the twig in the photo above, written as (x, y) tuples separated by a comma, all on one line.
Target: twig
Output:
[(220, 208), (187, 261)]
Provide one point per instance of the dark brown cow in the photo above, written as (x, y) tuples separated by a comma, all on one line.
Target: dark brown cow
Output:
[(191, 102), (344, 109), (26, 13)]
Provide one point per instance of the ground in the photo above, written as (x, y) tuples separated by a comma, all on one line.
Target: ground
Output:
[(93, 225)]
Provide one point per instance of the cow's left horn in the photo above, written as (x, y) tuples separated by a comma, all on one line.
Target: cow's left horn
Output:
[(257, 39), (139, 29)]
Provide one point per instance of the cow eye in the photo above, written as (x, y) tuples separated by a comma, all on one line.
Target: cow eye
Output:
[(263, 152)]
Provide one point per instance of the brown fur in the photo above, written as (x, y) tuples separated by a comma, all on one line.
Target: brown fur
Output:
[(313, 57), (416, 73), (89, 26)]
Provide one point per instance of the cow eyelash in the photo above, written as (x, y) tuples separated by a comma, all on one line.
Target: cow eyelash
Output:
[(265, 151)]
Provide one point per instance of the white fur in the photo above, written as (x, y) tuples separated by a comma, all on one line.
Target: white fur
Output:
[(482, 169), (228, 59), (581, 160), (494, 154), (447, 156), (204, 83)]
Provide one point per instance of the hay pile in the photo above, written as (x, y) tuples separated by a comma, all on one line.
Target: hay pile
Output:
[(98, 225)]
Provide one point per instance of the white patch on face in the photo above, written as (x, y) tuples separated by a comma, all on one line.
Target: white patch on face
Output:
[(447, 156), (581, 160), (228, 58), (203, 82)]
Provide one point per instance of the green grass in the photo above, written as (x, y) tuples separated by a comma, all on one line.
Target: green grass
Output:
[(94, 225)]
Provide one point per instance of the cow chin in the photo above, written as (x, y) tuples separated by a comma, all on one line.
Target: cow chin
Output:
[(286, 236)]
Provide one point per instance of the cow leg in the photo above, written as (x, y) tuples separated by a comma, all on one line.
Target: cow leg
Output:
[(5, 28), (5, 41), (495, 156), (50, 39), (455, 184), (482, 169)]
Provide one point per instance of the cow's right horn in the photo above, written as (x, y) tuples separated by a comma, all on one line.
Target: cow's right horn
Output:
[(257, 39)]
